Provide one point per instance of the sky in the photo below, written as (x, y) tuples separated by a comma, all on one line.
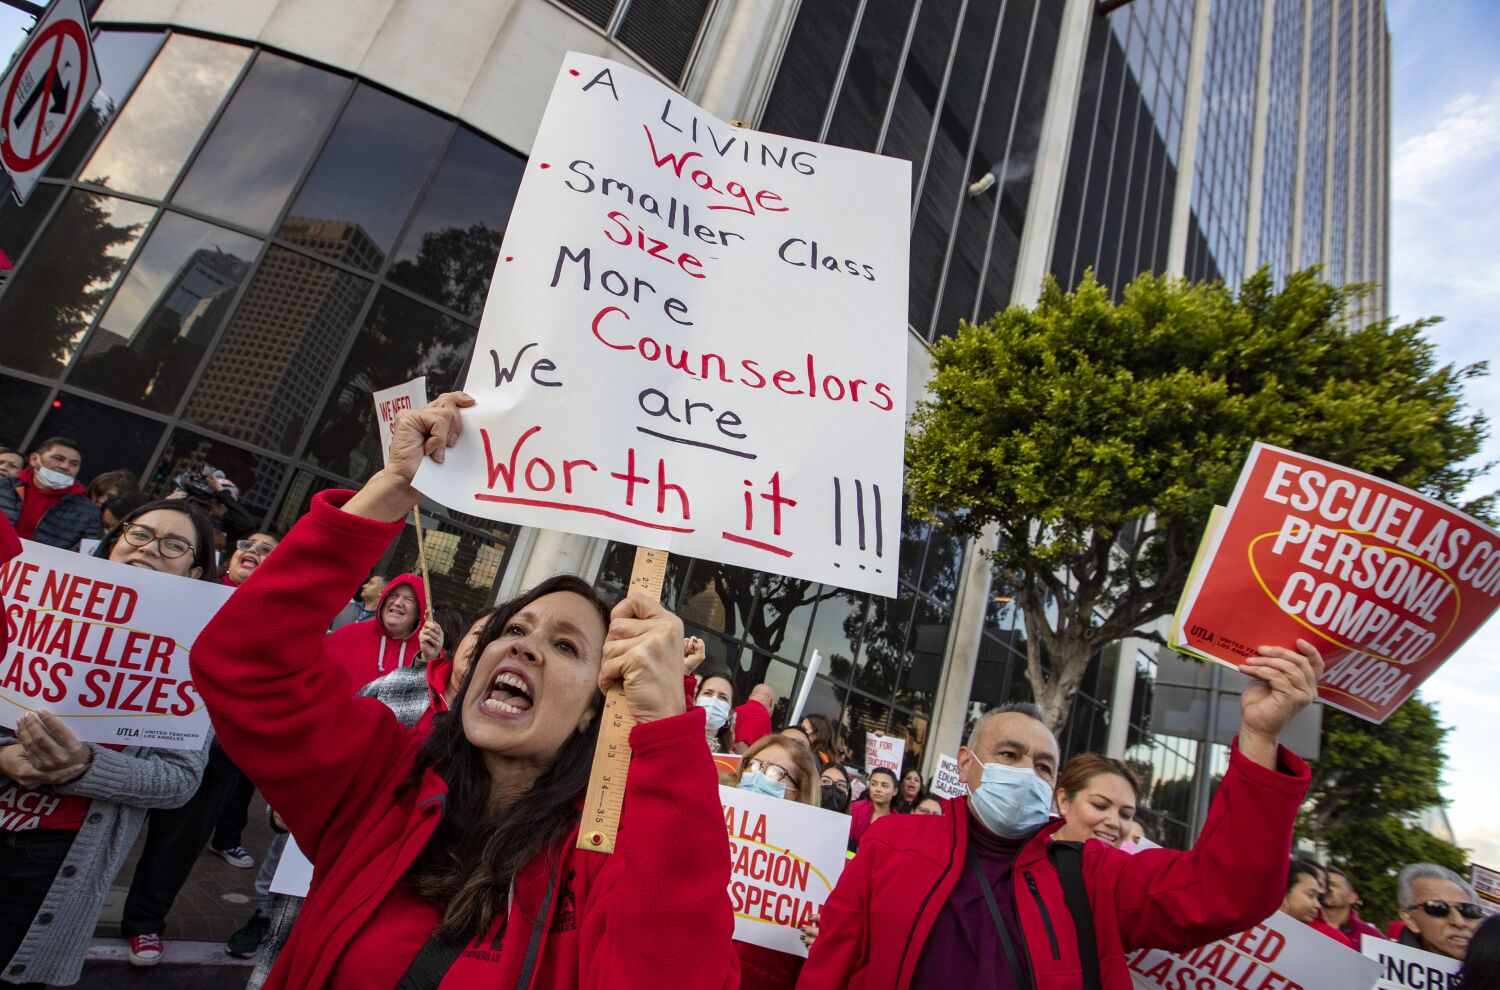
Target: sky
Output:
[(1445, 261)]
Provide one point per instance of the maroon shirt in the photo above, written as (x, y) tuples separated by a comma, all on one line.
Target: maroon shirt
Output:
[(963, 949)]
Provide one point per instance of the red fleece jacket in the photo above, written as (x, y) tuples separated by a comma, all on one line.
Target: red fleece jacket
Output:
[(363, 648), (655, 913), (876, 922)]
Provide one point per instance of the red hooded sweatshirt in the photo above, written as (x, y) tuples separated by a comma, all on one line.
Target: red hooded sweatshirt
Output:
[(656, 913), (363, 648)]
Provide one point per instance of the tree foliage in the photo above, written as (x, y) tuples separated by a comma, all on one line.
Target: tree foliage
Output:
[(1368, 784), (1095, 436)]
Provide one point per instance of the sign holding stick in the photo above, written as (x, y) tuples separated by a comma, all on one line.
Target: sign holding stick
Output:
[(808, 680), (695, 339), (1386, 582), (104, 647)]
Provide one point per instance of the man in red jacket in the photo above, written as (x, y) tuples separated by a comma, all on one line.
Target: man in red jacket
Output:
[(1341, 918), (981, 897), (397, 637)]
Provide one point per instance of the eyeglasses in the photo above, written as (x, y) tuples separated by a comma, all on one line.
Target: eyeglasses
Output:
[(1467, 910), (774, 772), (170, 546), (259, 549), (842, 786)]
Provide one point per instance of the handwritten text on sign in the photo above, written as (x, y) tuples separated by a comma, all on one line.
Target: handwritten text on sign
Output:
[(695, 340), (390, 402), (104, 646), (1281, 953), (1387, 583), (784, 859), (884, 751)]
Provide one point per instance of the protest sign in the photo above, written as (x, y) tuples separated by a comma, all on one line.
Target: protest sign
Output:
[(694, 340), (946, 782), (390, 401), (727, 763), (1486, 884), (784, 858), (884, 751), (293, 871), (1404, 967), (1280, 953), (1386, 582), (104, 647)]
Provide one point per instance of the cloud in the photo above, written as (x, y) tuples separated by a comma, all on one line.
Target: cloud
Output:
[(1465, 137)]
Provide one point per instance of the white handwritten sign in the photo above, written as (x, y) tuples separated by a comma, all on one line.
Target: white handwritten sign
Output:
[(1404, 967), (784, 859), (946, 781), (104, 647), (884, 751), (1281, 953), (695, 340), (390, 401)]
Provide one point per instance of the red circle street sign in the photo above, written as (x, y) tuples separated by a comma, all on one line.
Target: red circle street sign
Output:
[(50, 81)]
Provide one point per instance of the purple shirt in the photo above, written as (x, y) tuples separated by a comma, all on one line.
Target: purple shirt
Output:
[(963, 949)]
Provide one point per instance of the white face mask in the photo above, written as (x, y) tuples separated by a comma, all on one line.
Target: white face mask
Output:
[(1013, 802), (718, 711), (52, 478)]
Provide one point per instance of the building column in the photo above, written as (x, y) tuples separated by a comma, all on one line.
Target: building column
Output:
[(950, 710), (538, 554), (1187, 153), (1258, 139), (1299, 181), (965, 633), (736, 58), (1045, 199), (1332, 140)]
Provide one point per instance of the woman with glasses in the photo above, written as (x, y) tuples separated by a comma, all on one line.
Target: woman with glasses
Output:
[(247, 556), (89, 800), (778, 766), (835, 786)]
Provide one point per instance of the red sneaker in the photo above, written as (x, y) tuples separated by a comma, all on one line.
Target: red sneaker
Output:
[(145, 950)]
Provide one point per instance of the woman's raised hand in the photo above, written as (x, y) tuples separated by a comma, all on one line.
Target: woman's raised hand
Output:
[(416, 433), (643, 653)]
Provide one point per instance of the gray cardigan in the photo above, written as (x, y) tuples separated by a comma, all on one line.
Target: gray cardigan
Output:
[(124, 786)]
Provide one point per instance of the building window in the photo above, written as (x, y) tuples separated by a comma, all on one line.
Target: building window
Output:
[(662, 32)]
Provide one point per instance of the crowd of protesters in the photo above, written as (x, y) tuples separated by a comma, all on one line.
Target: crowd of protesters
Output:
[(430, 766)]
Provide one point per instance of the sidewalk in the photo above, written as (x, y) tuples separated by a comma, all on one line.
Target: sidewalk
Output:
[(214, 903)]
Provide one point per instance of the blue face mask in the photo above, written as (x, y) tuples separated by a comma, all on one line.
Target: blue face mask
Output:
[(718, 711), (1013, 802), (759, 783)]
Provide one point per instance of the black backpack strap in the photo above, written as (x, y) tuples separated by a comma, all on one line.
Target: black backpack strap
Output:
[(1068, 858), (431, 964)]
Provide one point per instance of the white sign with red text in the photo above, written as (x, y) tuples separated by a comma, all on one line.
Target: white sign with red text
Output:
[(390, 401), (1281, 953), (784, 859), (104, 647), (695, 340), (884, 751)]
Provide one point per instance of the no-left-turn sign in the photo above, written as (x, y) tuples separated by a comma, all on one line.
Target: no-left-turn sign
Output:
[(44, 92)]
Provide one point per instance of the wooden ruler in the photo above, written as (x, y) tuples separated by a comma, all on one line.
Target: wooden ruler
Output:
[(606, 791)]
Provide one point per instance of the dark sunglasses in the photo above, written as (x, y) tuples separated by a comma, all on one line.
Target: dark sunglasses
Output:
[(1467, 910)]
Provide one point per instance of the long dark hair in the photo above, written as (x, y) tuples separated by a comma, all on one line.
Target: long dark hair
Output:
[(1481, 967), (203, 534), (466, 868)]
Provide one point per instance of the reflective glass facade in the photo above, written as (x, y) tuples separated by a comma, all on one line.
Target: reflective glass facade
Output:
[(1116, 209), (956, 88), (1282, 102), (194, 287)]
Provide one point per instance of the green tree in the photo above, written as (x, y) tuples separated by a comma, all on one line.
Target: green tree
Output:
[(1368, 784), (1095, 436)]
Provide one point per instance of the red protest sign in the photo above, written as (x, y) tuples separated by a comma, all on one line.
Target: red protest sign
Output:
[(1386, 582)]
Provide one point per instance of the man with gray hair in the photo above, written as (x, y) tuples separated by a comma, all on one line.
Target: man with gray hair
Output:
[(982, 896), (1438, 908)]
